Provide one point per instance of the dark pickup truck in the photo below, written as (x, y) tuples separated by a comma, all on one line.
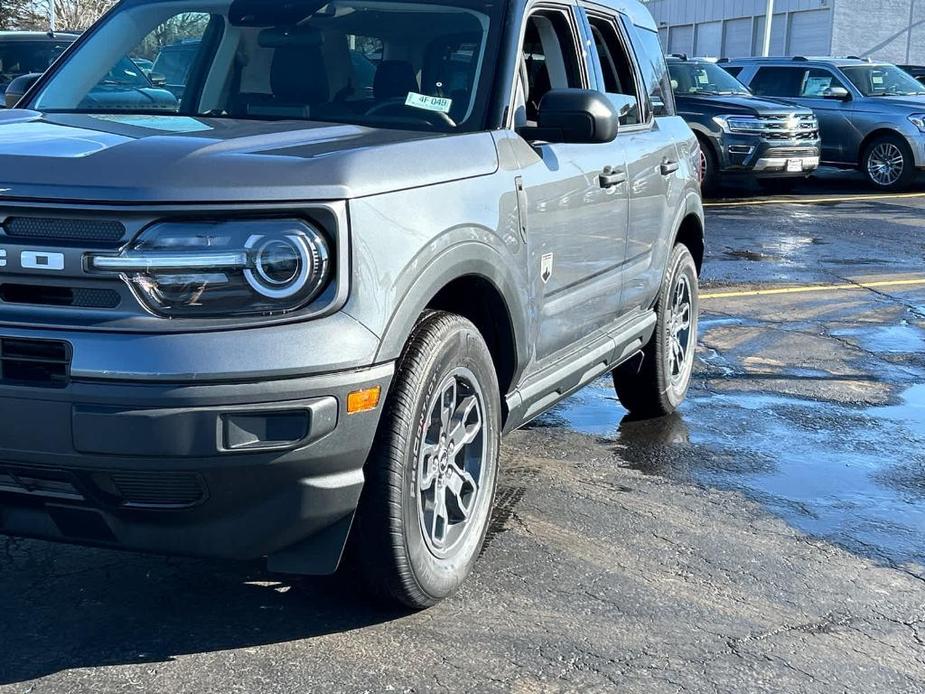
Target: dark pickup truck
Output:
[(740, 134)]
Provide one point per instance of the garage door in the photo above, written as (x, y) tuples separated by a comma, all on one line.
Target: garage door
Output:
[(737, 42), (810, 32), (709, 39), (778, 35), (681, 39)]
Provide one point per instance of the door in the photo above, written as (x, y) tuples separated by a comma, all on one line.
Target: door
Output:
[(810, 32), (652, 180), (807, 86), (574, 197)]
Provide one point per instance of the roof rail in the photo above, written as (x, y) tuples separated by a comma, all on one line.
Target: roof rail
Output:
[(800, 58), (679, 56)]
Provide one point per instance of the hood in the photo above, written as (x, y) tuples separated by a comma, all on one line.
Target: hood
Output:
[(165, 159), (912, 104), (751, 105)]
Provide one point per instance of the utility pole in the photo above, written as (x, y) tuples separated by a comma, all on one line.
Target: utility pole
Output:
[(768, 19), (51, 16)]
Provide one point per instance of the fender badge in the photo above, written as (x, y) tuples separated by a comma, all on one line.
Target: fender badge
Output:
[(546, 267)]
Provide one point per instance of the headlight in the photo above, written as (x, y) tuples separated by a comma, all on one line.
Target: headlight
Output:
[(918, 120), (740, 124), (201, 269)]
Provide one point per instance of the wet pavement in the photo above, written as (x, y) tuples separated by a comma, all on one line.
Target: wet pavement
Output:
[(769, 537)]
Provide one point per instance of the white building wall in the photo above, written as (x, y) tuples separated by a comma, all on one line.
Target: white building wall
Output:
[(889, 30)]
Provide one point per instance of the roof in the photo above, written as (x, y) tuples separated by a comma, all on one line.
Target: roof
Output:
[(837, 62), (635, 10), (36, 36)]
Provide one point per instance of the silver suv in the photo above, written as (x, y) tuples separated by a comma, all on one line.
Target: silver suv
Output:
[(871, 115), (292, 317)]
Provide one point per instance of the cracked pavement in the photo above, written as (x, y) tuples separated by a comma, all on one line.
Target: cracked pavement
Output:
[(770, 537)]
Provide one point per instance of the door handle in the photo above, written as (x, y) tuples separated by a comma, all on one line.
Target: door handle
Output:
[(669, 167), (611, 177)]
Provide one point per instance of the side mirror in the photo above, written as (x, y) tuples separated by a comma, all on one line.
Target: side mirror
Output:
[(837, 93), (574, 116), (157, 79), (18, 87)]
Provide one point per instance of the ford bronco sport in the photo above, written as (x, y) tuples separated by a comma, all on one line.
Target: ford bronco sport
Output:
[(740, 134), (293, 318)]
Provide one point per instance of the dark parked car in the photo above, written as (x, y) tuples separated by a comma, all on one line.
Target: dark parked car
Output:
[(917, 71), (293, 317), (24, 52), (871, 115), (740, 134)]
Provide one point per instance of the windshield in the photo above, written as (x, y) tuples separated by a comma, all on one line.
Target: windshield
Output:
[(413, 65), (883, 80), (19, 58), (704, 79)]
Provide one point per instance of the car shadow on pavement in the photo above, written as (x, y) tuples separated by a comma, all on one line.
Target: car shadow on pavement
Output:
[(66, 608)]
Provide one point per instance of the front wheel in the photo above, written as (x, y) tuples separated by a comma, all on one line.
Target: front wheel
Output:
[(888, 163), (654, 383), (430, 479)]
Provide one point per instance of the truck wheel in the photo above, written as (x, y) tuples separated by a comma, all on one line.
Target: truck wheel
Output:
[(709, 169), (888, 163), (655, 384), (430, 479)]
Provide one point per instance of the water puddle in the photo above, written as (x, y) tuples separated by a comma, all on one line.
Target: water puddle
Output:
[(852, 475), (895, 339)]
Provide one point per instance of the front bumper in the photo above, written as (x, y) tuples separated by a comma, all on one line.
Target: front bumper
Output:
[(750, 154), (239, 468)]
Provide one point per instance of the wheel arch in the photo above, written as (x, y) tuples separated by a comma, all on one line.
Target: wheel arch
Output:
[(882, 131), (472, 280)]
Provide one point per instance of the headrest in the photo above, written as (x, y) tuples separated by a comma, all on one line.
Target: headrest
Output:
[(394, 79)]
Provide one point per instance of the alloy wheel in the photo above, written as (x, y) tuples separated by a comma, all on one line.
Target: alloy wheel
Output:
[(680, 341), (885, 164), (450, 462)]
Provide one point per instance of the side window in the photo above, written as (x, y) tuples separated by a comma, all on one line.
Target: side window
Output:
[(817, 81), (734, 71), (778, 81), (550, 58), (616, 65)]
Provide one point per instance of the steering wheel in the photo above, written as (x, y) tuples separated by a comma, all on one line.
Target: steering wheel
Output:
[(399, 103)]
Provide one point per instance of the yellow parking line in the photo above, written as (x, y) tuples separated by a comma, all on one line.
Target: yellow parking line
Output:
[(813, 288), (814, 201)]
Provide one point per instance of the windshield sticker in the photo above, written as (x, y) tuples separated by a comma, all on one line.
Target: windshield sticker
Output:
[(429, 103), (173, 124)]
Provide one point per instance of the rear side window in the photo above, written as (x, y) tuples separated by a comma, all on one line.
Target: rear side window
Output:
[(654, 70), (734, 71), (616, 65)]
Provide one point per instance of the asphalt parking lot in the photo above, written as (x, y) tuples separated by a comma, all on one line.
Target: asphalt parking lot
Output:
[(769, 537)]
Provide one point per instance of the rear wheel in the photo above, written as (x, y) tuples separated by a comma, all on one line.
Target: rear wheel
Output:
[(709, 169), (431, 475), (655, 383), (888, 163)]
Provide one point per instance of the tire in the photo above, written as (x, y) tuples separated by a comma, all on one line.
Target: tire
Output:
[(655, 385), (709, 169), (404, 553), (888, 163)]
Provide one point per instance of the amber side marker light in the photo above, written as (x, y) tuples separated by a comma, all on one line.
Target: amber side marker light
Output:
[(363, 400)]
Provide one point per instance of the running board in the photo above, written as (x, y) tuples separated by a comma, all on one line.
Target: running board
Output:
[(563, 379)]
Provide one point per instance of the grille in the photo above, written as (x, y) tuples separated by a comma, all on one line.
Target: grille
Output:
[(42, 363), (786, 126), (62, 229), (163, 489), (80, 297), (791, 152)]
